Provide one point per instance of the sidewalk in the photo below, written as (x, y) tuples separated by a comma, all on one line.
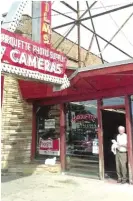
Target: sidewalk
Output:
[(51, 187)]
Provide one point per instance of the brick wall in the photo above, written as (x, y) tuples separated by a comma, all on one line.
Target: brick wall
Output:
[(16, 125), (69, 46)]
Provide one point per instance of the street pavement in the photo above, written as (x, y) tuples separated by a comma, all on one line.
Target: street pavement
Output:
[(55, 187)]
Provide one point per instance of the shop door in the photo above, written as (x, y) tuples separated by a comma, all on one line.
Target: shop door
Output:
[(111, 120), (82, 149), (121, 106)]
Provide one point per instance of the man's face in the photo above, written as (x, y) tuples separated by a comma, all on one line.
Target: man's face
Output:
[(121, 130)]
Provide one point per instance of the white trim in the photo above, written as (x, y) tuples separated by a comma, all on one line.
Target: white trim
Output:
[(100, 66), (25, 73), (14, 15)]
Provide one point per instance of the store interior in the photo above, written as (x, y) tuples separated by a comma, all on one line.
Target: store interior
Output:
[(111, 120)]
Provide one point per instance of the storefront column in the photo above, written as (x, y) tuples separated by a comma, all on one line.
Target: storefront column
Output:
[(62, 137), (33, 143), (129, 133), (100, 138)]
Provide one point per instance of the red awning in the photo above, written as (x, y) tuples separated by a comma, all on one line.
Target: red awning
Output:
[(106, 80), (35, 90)]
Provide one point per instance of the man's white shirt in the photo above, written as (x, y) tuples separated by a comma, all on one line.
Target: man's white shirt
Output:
[(122, 140)]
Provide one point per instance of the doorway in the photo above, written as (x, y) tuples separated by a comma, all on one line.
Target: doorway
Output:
[(111, 120)]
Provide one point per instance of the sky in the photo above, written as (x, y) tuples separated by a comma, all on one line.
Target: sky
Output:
[(106, 25)]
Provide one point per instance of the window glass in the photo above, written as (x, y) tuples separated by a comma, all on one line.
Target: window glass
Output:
[(48, 131), (114, 101), (82, 147)]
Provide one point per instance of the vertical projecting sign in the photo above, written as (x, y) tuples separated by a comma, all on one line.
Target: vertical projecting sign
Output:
[(46, 22)]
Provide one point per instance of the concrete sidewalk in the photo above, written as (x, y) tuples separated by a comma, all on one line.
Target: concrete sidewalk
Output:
[(52, 187)]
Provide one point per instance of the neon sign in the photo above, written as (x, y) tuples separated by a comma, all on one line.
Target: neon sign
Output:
[(46, 22), (85, 117), (29, 59)]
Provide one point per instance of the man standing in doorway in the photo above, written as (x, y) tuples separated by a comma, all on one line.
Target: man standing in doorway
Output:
[(121, 155)]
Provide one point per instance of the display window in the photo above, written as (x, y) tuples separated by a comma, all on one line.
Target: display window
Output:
[(82, 147), (48, 132)]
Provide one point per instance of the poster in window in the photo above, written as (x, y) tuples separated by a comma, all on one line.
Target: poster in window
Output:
[(49, 123), (49, 147)]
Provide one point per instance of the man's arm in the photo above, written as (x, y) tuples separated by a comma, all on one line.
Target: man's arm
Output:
[(123, 145)]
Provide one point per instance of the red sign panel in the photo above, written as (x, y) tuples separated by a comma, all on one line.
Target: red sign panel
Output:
[(46, 22), (49, 147), (25, 53)]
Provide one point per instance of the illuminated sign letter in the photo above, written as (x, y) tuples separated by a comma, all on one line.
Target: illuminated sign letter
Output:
[(12, 55)]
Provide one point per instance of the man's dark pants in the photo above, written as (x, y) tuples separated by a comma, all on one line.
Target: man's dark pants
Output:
[(121, 165)]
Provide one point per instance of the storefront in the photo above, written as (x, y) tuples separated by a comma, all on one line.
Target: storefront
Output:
[(76, 123), (80, 134), (81, 130)]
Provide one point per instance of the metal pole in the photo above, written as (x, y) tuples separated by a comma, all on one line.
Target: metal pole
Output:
[(78, 31), (103, 39), (96, 15), (64, 37), (117, 25), (68, 5), (95, 32), (75, 22), (117, 32), (88, 51), (108, 42), (74, 11), (56, 11)]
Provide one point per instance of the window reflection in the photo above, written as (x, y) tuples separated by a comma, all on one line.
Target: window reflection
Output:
[(48, 131), (81, 137), (114, 101)]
